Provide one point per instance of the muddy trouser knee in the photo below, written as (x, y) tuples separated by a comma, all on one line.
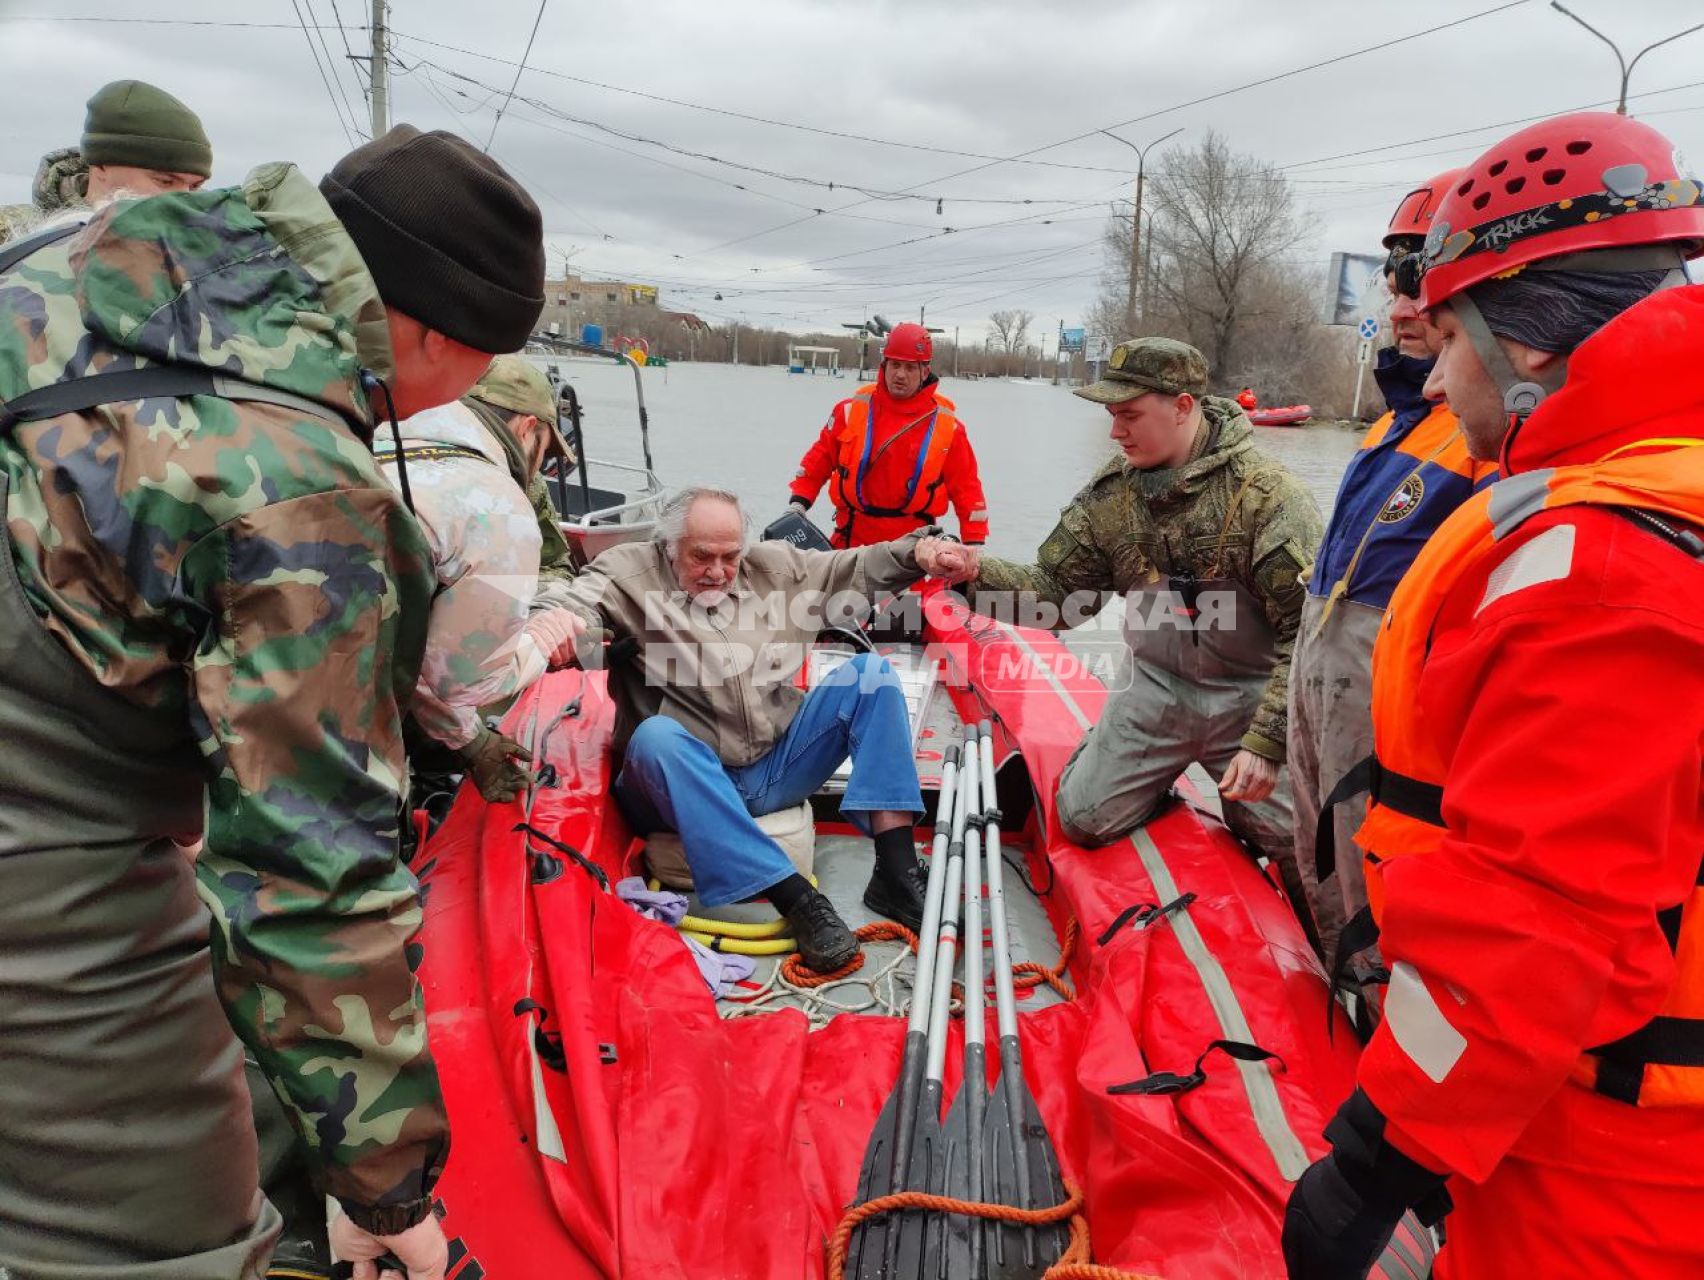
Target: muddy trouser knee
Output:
[(127, 1151), (1331, 729), (1127, 762)]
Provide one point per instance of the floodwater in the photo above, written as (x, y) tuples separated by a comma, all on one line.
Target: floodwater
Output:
[(744, 428)]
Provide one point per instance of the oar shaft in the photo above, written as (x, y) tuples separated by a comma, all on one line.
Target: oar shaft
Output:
[(946, 950), (946, 815), (1005, 999)]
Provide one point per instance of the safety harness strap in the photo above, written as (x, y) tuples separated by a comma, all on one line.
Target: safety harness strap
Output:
[(1422, 801)]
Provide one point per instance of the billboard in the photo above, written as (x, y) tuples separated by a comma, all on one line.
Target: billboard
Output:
[(642, 295), (1354, 287), (1070, 341)]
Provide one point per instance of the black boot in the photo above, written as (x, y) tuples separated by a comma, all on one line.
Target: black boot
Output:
[(898, 897), (825, 943)]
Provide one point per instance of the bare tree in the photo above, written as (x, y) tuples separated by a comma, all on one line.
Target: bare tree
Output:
[(1011, 328), (1218, 228)]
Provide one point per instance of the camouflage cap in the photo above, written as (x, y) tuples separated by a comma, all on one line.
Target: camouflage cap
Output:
[(1149, 364), (515, 385)]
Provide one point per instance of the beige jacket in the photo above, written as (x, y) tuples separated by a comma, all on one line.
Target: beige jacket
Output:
[(728, 674)]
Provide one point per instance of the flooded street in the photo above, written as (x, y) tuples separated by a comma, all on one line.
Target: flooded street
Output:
[(745, 428)]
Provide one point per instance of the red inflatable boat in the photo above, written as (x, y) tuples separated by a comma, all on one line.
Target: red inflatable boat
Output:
[(612, 1118), (1292, 415)]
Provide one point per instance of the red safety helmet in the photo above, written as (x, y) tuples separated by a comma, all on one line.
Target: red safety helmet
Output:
[(909, 342), (1413, 217), (1585, 181)]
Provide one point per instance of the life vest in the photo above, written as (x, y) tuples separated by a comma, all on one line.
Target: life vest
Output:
[(1662, 1064), (924, 497)]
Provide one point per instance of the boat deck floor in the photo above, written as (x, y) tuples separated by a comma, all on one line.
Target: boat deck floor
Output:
[(883, 984)]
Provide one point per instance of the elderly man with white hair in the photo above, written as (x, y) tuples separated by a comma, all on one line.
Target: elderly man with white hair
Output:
[(713, 726)]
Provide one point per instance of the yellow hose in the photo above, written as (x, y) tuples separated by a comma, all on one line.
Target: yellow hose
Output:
[(742, 946), (743, 930)]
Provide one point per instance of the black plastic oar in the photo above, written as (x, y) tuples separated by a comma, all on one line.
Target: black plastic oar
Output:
[(903, 1126), (962, 1247), (915, 1239), (1021, 1166)]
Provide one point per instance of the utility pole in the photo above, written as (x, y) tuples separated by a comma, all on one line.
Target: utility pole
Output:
[(1058, 350), (955, 351), (1626, 66), (1136, 219), (378, 72), (736, 358)]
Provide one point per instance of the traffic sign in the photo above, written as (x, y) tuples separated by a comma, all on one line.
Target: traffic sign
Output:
[(1369, 328), (1365, 355)]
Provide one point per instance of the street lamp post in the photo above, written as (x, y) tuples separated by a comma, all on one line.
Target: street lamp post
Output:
[(1626, 66), (1136, 220)]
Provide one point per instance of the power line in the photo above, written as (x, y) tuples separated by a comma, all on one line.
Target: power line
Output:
[(520, 69), (349, 54), (1210, 97), (307, 35), (158, 22), (754, 119), (331, 64), (779, 175)]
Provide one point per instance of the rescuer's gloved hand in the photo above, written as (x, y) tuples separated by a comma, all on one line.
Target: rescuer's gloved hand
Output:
[(492, 762), (1344, 1209)]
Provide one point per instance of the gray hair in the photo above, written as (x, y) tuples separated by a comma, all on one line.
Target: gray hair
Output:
[(671, 520)]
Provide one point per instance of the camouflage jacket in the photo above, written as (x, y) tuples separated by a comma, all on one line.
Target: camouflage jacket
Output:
[(1233, 513), (484, 537), (555, 564), (61, 183), (244, 567)]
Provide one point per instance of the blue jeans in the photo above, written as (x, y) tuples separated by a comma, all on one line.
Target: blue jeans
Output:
[(671, 781)]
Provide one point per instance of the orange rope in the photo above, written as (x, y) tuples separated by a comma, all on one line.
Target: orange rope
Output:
[(794, 970), (1024, 976), (1031, 974), (1074, 1264)]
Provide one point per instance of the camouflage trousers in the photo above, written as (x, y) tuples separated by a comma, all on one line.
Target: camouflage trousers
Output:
[(1331, 730), (126, 1147), (1183, 699)]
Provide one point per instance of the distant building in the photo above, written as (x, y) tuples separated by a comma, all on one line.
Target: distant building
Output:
[(571, 301)]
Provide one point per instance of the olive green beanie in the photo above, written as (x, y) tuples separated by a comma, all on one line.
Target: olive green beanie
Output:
[(132, 123)]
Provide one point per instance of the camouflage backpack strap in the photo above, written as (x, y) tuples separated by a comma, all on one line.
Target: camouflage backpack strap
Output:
[(152, 382), (17, 251)]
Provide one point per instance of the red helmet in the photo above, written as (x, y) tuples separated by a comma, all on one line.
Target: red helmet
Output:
[(909, 342), (1413, 217), (1591, 180)]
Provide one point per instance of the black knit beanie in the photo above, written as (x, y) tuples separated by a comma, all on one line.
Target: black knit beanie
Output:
[(451, 239)]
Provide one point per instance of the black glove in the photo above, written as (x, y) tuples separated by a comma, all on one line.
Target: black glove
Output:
[(1344, 1209)]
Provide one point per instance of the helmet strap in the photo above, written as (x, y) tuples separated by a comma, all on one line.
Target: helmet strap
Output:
[(1521, 395)]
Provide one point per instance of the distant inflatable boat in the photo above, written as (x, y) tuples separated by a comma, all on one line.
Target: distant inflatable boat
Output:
[(1292, 415)]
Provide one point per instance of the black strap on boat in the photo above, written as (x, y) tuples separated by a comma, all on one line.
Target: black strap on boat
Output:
[(581, 860), (11, 255), (151, 382), (1143, 914), (1422, 801), (548, 1044), (1170, 1082), (1359, 935)]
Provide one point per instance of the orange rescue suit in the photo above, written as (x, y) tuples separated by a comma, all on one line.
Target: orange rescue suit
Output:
[(1536, 837), (893, 465)]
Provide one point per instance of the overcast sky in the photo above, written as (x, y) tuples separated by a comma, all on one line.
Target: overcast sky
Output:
[(981, 82)]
